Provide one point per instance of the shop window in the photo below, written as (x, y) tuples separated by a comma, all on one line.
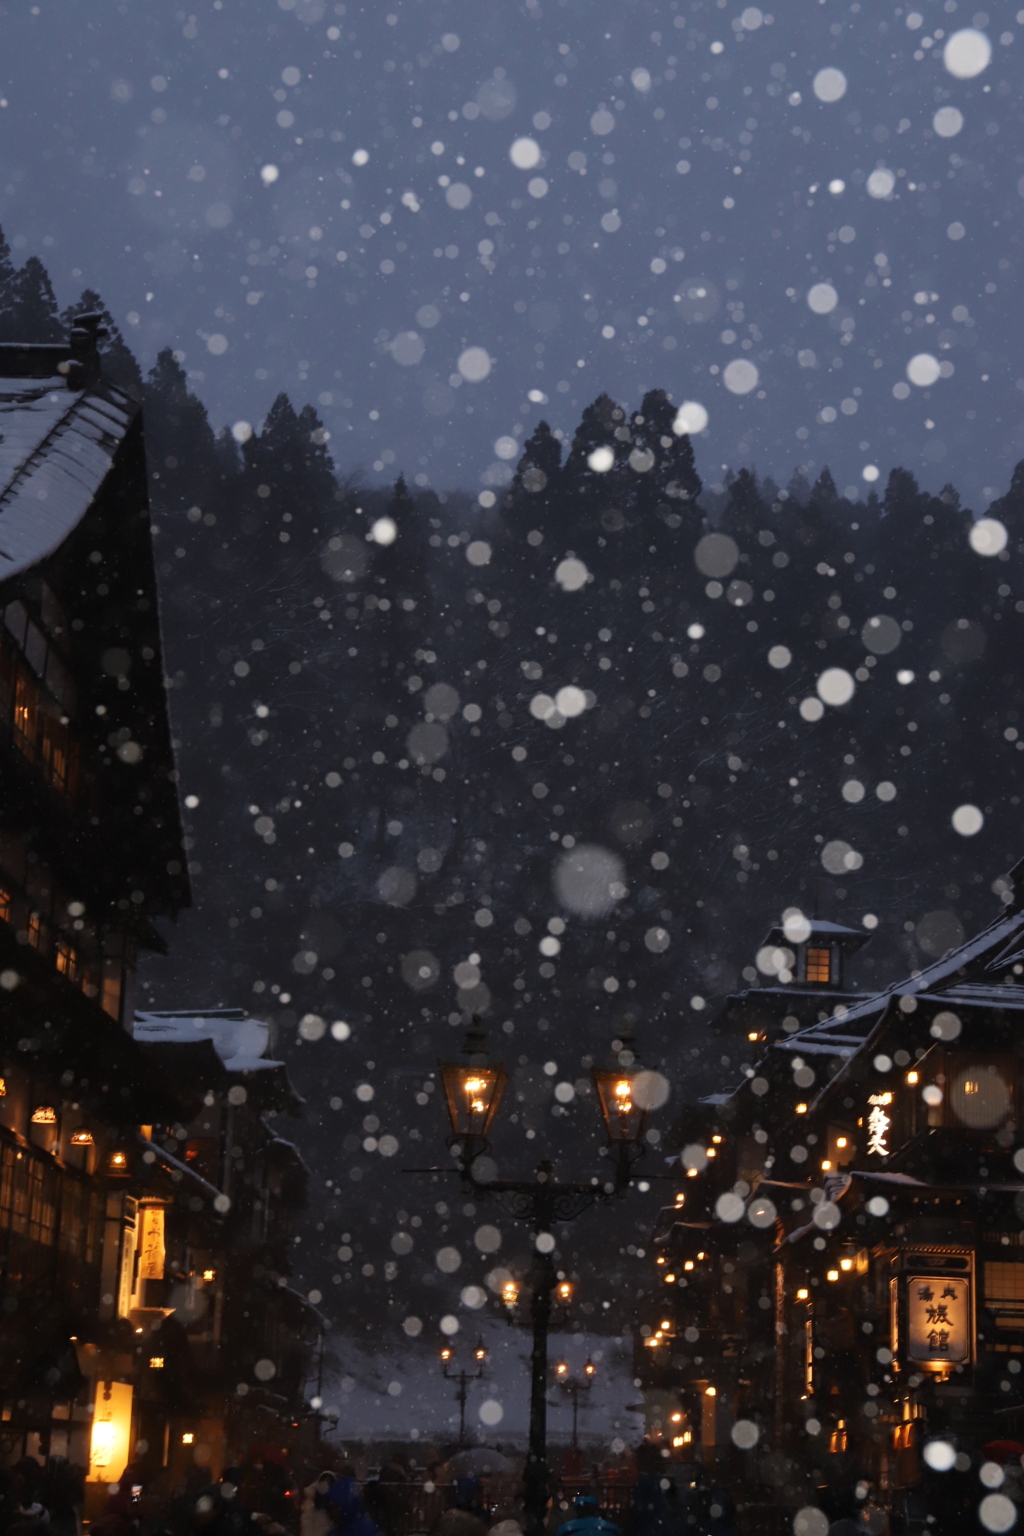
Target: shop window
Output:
[(26, 707), (5, 905), (35, 930)]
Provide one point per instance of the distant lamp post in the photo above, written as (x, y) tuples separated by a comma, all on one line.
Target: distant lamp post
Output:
[(574, 1385), (473, 1088), (463, 1378)]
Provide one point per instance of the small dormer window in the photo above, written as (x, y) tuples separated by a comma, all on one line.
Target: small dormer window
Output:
[(819, 965)]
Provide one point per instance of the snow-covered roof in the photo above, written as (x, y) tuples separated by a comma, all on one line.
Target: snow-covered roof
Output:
[(56, 449), (240, 1041)]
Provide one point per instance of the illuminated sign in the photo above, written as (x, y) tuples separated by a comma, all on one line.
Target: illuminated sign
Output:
[(111, 1432), (879, 1124), (938, 1319)]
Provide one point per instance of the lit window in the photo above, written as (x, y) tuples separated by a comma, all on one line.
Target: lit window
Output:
[(156, 1362), (970, 1086), (35, 930), (819, 965), (188, 1437), (67, 959), (5, 906), (209, 1274), (3, 1087)]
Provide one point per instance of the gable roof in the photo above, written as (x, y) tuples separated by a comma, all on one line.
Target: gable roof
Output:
[(56, 449)]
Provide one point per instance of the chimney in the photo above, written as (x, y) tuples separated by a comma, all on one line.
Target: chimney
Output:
[(83, 366)]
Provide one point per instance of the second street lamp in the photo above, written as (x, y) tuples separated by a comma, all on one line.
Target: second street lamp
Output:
[(473, 1089), (463, 1378)]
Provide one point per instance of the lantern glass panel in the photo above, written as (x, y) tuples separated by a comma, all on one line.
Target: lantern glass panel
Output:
[(472, 1094)]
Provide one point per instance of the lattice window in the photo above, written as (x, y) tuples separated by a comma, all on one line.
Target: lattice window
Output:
[(819, 965)]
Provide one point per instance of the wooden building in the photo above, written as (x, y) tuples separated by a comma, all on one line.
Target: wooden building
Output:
[(143, 1196), (842, 1266)]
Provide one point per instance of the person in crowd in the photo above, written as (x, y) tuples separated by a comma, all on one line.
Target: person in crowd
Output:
[(344, 1504), (587, 1520), (315, 1519)]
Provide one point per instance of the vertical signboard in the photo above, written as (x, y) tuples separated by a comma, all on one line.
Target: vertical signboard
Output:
[(111, 1432), (938, 1319)]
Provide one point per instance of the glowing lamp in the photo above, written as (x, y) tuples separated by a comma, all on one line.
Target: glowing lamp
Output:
[(209, 1274), (841, 1141), (473, 1090), (802, 1294), (676, 1418), (156, 1362), (717, 1140), (3, 1087), (564, 1292), (480, 1352), (188, 1437), (752, 1034), (561, 1369), (670, 1279), (510, 1293), (111, 1432), (446, 1353), (913, 1077), (801, 1109), (710, 1392), (44, 1114), (688, 1264), (833, 1274), (846, 1264), (624, 1119), (82, 1138), (826, 1164), (678, 1440), (118, 1162), (590, 1369)]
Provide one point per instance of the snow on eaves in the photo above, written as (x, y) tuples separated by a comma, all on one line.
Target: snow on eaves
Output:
[(56, 449), (240, 1041)]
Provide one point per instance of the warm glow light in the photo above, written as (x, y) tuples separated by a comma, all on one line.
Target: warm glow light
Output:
[(752, 1034), (188, 1437), (480, 1353), (802, 1294), (111, 1432), (209, 1274), (446, 1353), (702, 1255), (841, 1141), (118, 1160), (913, 1077), (688, 1264), (564, 1290), (156, 1362), (669, 1279), (3, 1087), (833, 1274), (666, 1325), (661, 1259), (678, 1440), (691, 1173), (561, 1369), (510, 1293), (711, 1152), (845, 1263), (676, 1418), (826, 1164), (82, 1139), (801, 1109), (44, 1114), (680, 1197), (710, 1392), (589, 1369), (717, 1140)]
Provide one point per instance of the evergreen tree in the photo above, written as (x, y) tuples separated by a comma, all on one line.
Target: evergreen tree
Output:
[(33, 313)]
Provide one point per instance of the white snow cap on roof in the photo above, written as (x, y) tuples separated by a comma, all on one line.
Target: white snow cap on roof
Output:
[(241, 1042)]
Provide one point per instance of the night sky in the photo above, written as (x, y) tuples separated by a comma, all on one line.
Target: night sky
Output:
[(323, 198)]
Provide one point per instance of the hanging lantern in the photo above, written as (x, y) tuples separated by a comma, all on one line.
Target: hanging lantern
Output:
[(473, 1090), (624, 1119)]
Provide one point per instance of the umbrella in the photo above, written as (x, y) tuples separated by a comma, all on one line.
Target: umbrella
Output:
[(480, 1461), (1003, 1451)]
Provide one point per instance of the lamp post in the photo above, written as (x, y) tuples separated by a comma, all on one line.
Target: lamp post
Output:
[(574, 1386), (463, 1378), (473, 1088)]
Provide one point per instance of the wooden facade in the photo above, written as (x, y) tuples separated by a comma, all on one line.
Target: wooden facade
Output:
[(145, 1199), (842, 1266)]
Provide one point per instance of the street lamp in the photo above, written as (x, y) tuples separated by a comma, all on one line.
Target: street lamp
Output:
[(447, 1354), (473, 1089), (574, 1386)]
